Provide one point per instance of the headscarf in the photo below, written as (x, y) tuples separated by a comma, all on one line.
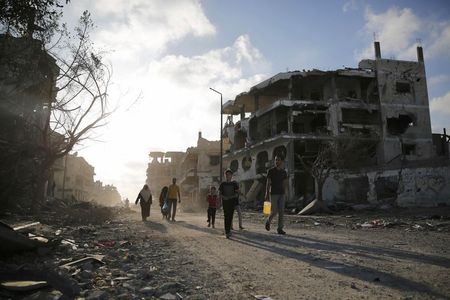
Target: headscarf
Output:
[(145, 193)]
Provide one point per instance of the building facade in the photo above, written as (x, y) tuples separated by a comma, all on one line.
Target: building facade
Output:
[(162, 168), (382, 104), (200, 168), (74, 179), (196, 171)]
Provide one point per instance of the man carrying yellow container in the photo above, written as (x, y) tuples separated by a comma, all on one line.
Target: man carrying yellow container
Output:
[(277, 183)]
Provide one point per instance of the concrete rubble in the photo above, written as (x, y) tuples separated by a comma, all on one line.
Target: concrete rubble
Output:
[(97, 258)]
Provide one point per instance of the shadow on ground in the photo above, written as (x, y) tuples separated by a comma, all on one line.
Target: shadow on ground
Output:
[(277, 245)]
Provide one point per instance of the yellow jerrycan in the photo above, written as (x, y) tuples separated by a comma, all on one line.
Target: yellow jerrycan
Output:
[(267, 207)]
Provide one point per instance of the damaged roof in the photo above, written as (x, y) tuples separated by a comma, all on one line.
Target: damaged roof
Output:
[(246, 99)]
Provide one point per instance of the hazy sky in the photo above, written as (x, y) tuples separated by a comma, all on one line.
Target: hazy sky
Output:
[(167, 53)]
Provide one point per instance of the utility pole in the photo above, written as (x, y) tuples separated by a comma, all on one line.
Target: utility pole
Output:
[(221, 138)]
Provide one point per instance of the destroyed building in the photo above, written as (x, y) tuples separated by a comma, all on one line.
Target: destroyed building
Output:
[(74, 178), (196, 170), (106, 195), (200, 169), (383, 101), (27, 88), (162, 168)]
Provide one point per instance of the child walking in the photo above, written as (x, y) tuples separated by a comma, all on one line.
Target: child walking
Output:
[(212, 206)]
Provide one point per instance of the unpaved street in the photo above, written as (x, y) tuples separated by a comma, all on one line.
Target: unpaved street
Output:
[(321, 257), (318, 262)]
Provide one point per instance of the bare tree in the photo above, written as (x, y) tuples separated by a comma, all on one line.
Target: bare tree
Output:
[(67, 115), (81, 104), (340, 154)]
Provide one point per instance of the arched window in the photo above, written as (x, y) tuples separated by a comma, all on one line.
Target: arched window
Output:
[(246, 162), (234, 165)]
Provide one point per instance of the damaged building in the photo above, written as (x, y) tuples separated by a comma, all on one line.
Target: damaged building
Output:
[(162, 168), (27, 89), (200, 170), (382, 103), (196, 170)]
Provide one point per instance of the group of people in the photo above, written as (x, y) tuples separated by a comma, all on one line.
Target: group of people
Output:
[(227, 196), (168, 199)]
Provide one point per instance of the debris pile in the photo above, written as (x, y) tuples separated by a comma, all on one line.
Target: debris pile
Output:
[(98, 258)]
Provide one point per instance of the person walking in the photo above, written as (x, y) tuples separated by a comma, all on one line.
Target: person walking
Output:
[(212, 206), (228, 192), (162, 201), (145, 200), (172, 194), (277, 187)]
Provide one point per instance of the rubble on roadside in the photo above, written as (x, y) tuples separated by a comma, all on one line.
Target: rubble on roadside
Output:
[(94, 254)]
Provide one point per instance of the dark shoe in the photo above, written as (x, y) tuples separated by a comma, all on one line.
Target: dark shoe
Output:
[(281, 231), (213, 226), (267, 226), (228, 235), (209, 224), (241, 228)]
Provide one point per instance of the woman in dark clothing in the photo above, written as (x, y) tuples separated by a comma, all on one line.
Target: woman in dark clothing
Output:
[(145, 199), (162, 200)]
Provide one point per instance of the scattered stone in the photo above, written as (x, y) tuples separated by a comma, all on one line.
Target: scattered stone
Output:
[(262, 297), (168, 287), (148, 290), (45, 295), (86, 274), (168, 296), (97, 295), (367, 225), (23, 286)]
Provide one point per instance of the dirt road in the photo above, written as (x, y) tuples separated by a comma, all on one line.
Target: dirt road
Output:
[(315, 263), (328, 257)]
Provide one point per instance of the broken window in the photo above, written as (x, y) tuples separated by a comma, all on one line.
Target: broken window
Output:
[(261, 159), (369, 90), (360, 116), (246, 162), (281, 115), (386, 188), (264, 126), (214, 160), (307, 150), (316, 95), (234, 165), (309, 87), (309, 122), (239, 140), (396, 126), (408, 149), (402, 87), (347, 87)]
